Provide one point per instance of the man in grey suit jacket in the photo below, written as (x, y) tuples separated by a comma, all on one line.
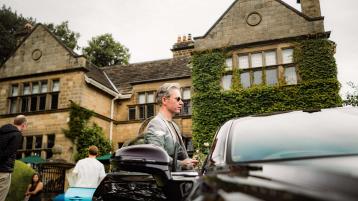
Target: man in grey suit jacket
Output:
[(163, 131)]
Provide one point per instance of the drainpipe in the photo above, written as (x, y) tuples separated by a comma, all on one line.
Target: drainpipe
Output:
[(112, 114), (119, 96), (116, 94)]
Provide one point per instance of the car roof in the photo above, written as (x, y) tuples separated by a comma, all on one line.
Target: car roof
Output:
[(334, 130), (328, 112), (321, 122)]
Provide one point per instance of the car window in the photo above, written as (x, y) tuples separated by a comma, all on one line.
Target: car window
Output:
[(294, 135), (218, 154)]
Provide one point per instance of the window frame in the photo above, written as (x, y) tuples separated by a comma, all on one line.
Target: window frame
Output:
[(187, 107), (25, 150), (141, 109), (252, 69), (282, 54), (231, 66), (296, 73), (28, 100), (222, 80), (271, 58), (133, 108)]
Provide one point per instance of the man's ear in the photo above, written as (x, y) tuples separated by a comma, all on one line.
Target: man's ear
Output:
[(164, 100), (23, 127)]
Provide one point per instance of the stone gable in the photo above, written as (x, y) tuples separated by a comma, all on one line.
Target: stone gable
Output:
[(40, 52), (249, 21)]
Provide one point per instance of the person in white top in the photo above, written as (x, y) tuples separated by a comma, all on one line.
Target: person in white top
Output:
[(89, 171)]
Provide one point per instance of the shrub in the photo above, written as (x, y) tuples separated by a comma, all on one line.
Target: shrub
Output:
[(20, 179)]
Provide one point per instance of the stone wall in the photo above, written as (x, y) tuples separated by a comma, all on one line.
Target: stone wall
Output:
[(42, 53), (96, 100), (311, 8), (182, 53), (71, 88), (249, 21), (125, 131), (71, 85), (35, 60), (48, 123), (186, 126), (4, 93)]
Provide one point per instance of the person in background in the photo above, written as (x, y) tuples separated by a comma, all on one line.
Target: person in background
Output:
[(10, 138), (34, 189), (89, 172), (163, 131)]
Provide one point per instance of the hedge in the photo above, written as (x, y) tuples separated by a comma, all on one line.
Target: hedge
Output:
[(20, 180)]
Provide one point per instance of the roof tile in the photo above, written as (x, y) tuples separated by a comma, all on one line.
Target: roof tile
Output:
[(123, 77)]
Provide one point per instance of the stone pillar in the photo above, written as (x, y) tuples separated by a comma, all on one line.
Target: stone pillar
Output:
[(53, 173)]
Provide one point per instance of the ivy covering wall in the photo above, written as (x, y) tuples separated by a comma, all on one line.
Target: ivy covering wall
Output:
[(212, 106), (84, 135)]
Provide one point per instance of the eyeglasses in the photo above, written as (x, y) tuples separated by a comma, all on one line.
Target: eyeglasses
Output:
[(178, 99)]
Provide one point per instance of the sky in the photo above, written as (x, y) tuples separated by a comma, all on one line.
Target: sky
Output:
[(149, 28)]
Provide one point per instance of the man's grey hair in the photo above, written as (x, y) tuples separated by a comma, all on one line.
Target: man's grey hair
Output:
[(164, 91)]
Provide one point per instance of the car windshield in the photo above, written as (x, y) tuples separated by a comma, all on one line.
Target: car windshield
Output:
[(294, 135)]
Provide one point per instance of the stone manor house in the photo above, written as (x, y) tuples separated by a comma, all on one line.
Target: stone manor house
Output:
[(43, 76)]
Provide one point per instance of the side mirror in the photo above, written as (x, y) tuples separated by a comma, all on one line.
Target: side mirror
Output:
[(146, 158)]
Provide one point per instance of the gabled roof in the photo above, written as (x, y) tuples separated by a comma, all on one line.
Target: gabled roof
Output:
[(279, 1), (92, 71), (97, 74), (123, 77), (74, 54)]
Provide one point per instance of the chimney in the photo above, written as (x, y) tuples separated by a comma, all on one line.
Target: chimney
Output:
[(20, 35), (183, 47), (310, 8)]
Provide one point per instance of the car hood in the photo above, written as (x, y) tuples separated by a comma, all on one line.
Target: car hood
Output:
[(343, 165), (330, 178)]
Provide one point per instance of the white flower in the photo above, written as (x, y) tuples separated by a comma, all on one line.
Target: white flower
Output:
[(206, 144)]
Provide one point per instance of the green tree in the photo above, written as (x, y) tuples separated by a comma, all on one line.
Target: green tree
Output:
[(352, 97), (83, 135), (93, 135), (103, 50), (67, 36), (10, 25)]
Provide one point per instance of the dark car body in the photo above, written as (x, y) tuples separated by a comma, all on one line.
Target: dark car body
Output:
[(303, 179), (144, 172), (299, 155)]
